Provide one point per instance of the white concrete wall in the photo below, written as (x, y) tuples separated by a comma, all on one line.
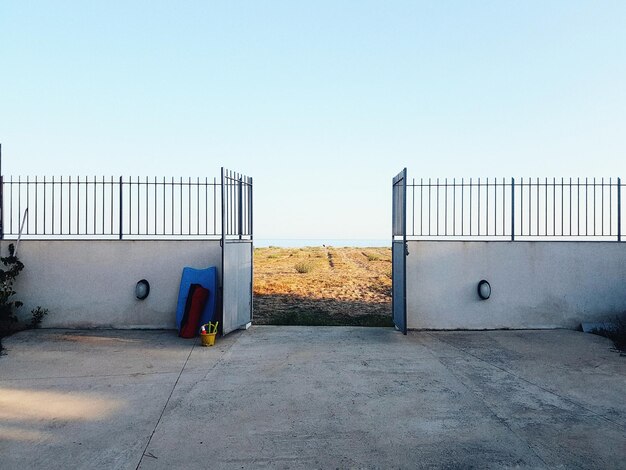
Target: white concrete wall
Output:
[(534, 284), (91, 283)]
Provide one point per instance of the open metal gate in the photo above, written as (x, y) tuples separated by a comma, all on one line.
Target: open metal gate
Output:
[(399, 251), (237, 251)]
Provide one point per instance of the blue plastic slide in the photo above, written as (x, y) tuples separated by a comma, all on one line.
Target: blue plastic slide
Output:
[(207, 278)]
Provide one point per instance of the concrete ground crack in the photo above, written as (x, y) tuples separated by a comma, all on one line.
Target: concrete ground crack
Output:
[(143, 454)]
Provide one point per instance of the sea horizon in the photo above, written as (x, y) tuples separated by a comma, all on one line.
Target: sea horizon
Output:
[(336, 242)]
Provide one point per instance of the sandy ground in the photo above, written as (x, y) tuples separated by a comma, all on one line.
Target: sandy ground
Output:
[(353, 281)]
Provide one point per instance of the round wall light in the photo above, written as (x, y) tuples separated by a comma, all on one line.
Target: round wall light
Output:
[(142, 289), (484, 290)]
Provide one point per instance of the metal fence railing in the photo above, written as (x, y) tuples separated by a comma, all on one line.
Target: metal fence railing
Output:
[(126, 208), (237, 204), (524, 208)]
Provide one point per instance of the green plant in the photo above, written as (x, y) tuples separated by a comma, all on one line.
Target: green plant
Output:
[(37, 316), (7, 278), (303, 267), (371, 256)]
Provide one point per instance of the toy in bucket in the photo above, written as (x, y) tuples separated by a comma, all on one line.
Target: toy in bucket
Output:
[(208, 331)]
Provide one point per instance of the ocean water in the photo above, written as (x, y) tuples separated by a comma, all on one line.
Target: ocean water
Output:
[(336, 242)]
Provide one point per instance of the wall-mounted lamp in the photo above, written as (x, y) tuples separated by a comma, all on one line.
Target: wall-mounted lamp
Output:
[(142, 289), (484, 290)]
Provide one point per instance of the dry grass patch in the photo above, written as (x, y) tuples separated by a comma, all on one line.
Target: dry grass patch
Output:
[(293, 285)]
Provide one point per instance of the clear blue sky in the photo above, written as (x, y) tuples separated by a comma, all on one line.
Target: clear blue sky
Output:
[(321, 102)]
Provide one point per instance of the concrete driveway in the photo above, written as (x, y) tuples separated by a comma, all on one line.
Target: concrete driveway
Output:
[(312, 397)]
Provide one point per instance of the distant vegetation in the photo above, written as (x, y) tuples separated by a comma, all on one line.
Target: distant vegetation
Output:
[(322, 286)]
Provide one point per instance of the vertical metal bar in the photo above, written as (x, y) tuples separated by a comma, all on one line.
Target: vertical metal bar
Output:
[(53, 208), (240, 208), (545, 200), (36, 203), (530, 205), (147, 231), (111, 232), (487, 209), (478, 207), (445, 202), (570, 206), (86, 204), (437, 206), (206, 205), (130, 205), (619, 209), (578, 206), (521, 200), (223, 188), (563, 208), (553, 206), (61, 204), (138, 206), (602, 207), (538, 206), (413, 216), (512, 209), (503, 206), (189, 205), (214, 206), (19, 200), (10, 206), (594, 206), (429, 204), (27, 203), (44, 205), (470, 208), (462, 206), (103, 204), (164, 204), (78, 205), (197, 205), (421, 206), (454, 206), (155, 205), (94, 201), (121, 214), (586, 207), (610, 206)]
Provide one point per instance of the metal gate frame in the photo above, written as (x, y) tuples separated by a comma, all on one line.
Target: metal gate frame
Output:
[(399, 251), (238, 250)]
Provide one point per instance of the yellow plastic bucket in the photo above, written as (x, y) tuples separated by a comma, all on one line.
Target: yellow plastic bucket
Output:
[(208, 339)]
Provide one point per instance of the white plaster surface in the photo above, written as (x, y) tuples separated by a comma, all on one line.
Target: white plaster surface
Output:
[(534, 284), (91, 283)]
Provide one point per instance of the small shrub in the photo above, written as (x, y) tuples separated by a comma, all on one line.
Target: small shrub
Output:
[(272, 256), (372, 256), (303, 268), (7, 277), (37, 316)]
